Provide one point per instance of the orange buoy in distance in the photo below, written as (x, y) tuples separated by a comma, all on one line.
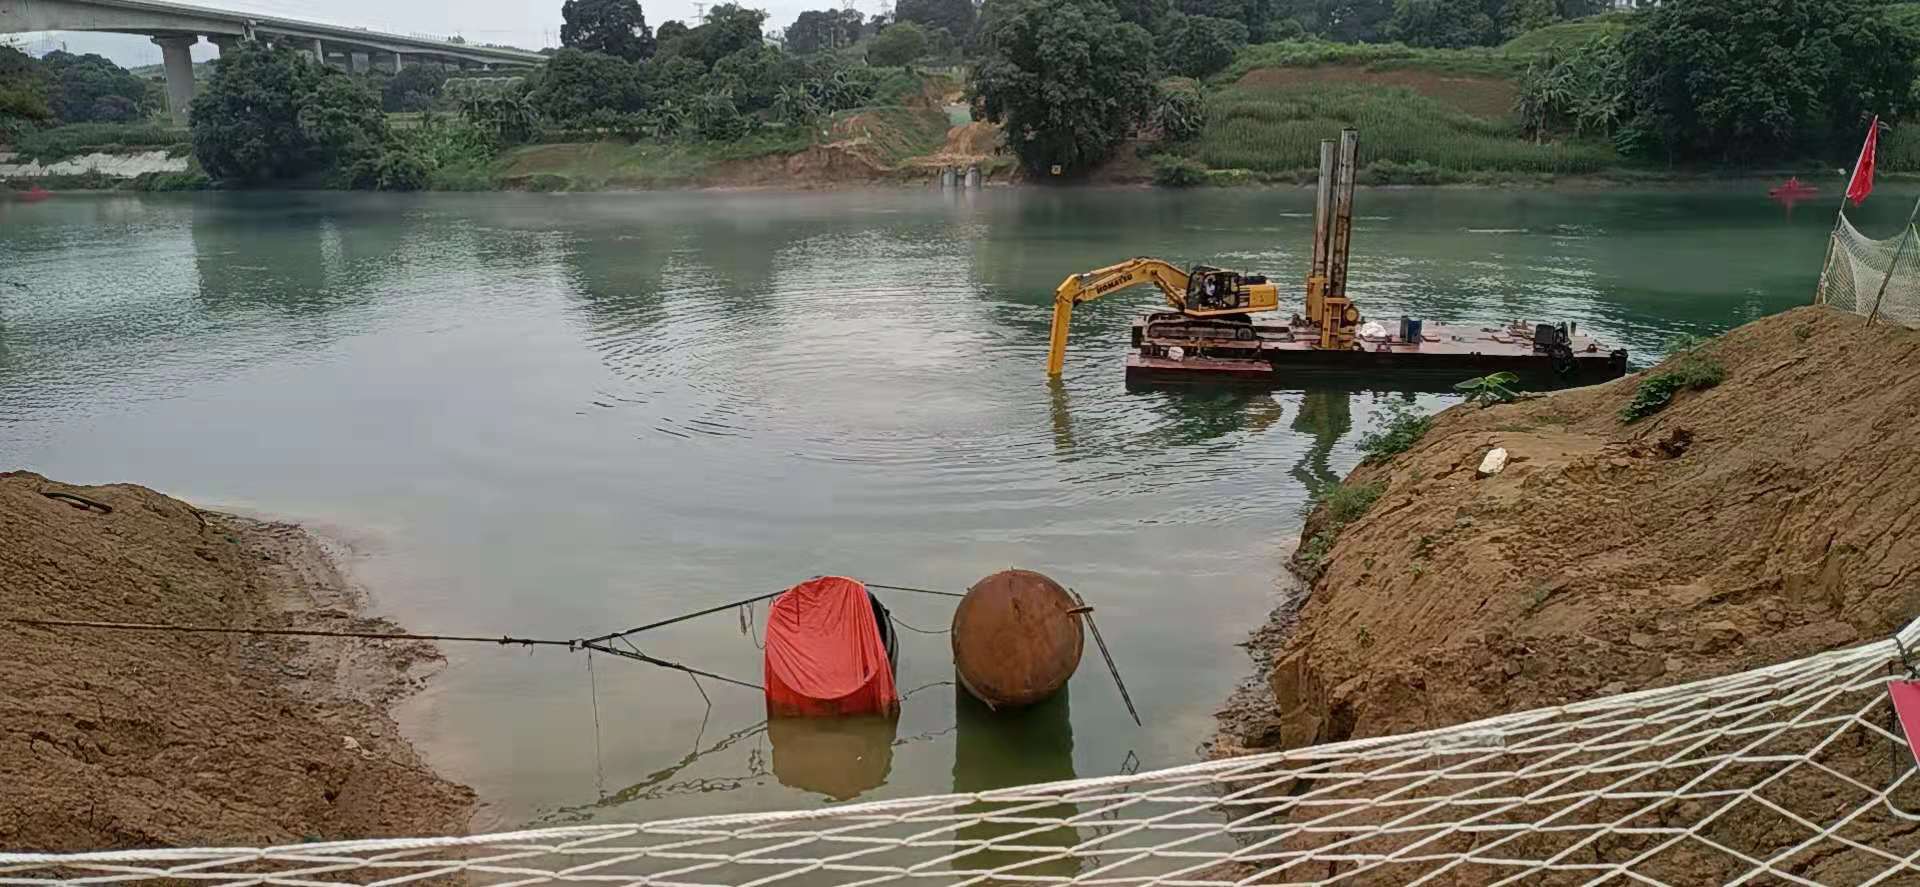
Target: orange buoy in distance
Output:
[(1016, 638)]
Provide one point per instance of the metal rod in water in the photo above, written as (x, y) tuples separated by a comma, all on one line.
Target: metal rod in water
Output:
[(1111, 668)]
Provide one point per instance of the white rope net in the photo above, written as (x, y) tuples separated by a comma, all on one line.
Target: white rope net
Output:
[(1857, 269), (1792, 774)]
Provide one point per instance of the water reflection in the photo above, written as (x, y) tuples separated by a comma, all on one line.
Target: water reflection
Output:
[(996, 749), (841, 758), (298, 260), (667, 782), (1325, 416)]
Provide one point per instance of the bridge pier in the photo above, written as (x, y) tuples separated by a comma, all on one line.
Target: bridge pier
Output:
[(397, 63), (176, 56)]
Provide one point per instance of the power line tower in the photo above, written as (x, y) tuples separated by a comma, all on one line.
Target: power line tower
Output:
[(699, 13)]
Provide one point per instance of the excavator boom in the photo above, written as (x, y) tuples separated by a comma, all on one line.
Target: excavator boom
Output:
[(1203, 292)]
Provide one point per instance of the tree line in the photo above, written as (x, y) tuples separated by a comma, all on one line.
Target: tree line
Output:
[(62, 87), (1688, 82)]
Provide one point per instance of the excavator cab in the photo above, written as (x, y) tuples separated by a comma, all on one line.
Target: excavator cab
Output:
[(1214, 289)]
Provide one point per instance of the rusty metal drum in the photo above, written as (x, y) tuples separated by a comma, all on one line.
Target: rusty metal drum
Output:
[(1016, 638)]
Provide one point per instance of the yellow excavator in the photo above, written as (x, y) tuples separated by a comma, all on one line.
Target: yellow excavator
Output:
[(1211, 306), (1212, 303)]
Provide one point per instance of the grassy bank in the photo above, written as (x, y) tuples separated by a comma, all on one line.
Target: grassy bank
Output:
[(1408, 138), (73, 140), (862, 145)]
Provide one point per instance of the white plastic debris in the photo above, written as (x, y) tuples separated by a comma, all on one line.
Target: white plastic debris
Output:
[(1176, 352), (1372, 330), (1494, 463)]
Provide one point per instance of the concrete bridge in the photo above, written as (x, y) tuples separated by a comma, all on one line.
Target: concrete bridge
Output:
[(176, 27)]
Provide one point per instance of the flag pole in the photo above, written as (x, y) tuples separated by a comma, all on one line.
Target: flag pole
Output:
[(1840, 213)]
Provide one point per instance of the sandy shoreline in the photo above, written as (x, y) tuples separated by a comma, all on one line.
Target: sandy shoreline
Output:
[(114, 739)]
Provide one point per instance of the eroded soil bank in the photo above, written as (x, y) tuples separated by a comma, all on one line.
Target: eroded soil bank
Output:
[(112, 739), (1765, 519)]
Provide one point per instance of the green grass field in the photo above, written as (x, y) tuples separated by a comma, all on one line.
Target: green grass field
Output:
[(1566, 35), (1371, 56), (1406, 137)]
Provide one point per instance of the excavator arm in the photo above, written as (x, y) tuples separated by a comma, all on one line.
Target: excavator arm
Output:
[(1093, 284)]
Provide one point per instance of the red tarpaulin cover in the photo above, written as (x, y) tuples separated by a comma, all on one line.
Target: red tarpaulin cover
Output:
[(824, 653)]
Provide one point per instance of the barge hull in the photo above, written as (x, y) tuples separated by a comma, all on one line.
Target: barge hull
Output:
[(1444, 356)]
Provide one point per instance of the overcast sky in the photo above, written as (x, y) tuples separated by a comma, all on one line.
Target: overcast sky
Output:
[(529, 23)]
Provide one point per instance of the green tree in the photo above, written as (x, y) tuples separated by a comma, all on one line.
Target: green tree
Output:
[(1447, 23), (414, 88), (92, 89), (1742, 81), (955, 16), (1179, 111), (1145, 13), (1198, 45), (1346, 21), (899, 44), (1521, 16), (1586, 91), (752, 76), (669, 30), (819, 30), (502, 116), (615, 27), (578, 83), (271, 115), (728, 29), (1256, 15), (1068, 79), (1572, 9), (23, 94)]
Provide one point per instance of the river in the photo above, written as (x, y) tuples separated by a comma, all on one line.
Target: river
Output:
[(560, 415)]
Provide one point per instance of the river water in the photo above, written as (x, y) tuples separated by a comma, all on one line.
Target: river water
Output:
[(560, 415)]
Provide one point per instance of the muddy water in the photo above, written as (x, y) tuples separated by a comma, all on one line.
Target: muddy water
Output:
[(560, 415)]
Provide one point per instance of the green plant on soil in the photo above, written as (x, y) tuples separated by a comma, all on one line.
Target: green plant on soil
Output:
[(1403, 428), (1170, 171), (1346, 503), (1278, 129), (1343, 504), (1312, 556), (1490, 389), (1687, 368)]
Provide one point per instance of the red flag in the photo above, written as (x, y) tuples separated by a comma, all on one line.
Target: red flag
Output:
[(1906, 703), (1862, 183)]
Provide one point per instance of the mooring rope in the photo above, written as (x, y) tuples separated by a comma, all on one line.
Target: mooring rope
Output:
[(504, 640), (598, 643), (575, 644)]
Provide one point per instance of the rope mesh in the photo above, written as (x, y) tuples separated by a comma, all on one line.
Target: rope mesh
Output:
[(1791, 774), (1857, 267)]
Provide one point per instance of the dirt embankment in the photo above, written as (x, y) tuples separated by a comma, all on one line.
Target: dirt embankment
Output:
[(112, 739), (1762, 520)]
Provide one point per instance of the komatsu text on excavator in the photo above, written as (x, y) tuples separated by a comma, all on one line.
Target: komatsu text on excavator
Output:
[(1212, 332)]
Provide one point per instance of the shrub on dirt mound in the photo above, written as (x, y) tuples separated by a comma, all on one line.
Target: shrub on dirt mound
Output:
[(1760, 520)]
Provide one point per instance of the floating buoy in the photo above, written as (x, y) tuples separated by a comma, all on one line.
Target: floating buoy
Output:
[(827, 652), (1016, 638)]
